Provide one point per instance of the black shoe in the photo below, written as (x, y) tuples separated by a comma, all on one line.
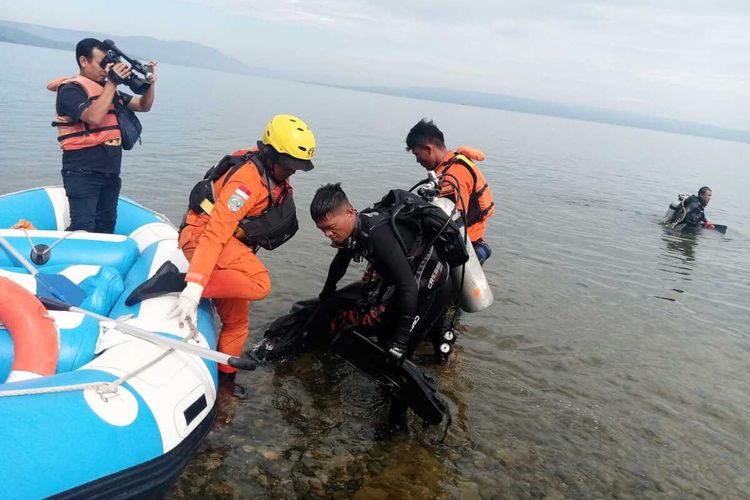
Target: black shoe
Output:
[(226, 380), (165, 280), (239, 391)]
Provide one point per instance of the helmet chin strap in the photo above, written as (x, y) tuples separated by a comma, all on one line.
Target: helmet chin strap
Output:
[(268, 157)]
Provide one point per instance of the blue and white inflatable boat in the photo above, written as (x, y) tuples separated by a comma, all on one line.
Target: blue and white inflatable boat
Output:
[(119, 416)]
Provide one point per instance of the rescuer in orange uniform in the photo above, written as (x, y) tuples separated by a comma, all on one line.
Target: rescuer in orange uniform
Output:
[(456, 169), (253, 208)]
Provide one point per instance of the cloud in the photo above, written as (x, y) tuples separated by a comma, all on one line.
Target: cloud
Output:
[(688, 59)]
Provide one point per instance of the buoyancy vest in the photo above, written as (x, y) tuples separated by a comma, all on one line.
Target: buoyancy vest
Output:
[(74, 135), (407, 213), (272, 228), (481, 203), (690, 212)]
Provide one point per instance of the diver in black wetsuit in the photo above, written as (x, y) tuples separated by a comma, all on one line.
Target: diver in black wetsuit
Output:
[(406, 290), (691, 210), (410, 279)]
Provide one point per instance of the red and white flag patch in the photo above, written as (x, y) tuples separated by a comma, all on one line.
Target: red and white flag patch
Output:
[(243, 192), (238, 198)]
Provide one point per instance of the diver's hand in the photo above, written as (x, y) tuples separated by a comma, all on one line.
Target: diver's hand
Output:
[(708, 225), (398, 345), (396, 352), (186, 306)]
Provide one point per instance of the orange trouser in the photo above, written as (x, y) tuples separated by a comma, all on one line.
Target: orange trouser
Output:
[(233, 285)]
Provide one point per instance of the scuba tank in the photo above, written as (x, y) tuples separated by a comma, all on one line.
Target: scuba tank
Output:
[(476, 294), (674, 209)]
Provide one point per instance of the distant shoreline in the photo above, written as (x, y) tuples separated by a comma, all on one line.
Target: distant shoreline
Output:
[(556, 110), (191, 54)]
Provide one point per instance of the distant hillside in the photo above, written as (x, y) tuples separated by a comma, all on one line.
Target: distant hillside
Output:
[(550, 108), (195, 55), (139, 47)]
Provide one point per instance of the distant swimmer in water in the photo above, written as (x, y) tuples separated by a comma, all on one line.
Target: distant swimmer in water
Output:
[(688, 211)]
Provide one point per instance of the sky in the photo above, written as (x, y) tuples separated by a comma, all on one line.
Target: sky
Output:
[(681, 59)]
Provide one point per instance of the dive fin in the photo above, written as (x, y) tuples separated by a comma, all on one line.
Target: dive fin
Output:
[(407, 382), (165, 280)]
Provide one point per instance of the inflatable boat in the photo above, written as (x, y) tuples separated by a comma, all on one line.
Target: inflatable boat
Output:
[(87, 409)]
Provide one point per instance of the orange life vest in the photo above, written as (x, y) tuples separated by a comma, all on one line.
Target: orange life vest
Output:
[(212, 239), (478, 204), (74, 135)]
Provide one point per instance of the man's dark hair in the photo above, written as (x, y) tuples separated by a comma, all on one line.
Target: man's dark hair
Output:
[(86, 48), (327, 199), (703, 190), (423, 133)]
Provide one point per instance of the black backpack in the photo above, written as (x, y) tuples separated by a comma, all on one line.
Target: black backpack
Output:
[(436, 228), (269, 230), (130, 125)]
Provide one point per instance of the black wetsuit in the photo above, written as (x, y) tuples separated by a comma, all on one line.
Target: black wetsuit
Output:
[(408, 293), (690, 212)]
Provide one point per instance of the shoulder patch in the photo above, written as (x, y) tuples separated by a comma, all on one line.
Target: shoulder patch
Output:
[(238, 198)]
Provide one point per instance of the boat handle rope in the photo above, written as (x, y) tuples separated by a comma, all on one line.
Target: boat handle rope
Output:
[(105, 390), (54, 244)]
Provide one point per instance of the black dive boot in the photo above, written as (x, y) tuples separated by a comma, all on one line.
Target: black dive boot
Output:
[(396, 423), (165, 280)]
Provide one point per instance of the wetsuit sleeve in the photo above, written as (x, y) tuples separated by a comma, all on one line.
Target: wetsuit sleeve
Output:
[(72, 101), (695, 215), (389, 260), (233, 203), (337, 270)]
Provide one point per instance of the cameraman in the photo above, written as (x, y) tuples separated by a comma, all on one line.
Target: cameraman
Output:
[(89, 135)]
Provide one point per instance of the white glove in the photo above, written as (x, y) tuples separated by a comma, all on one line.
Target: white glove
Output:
[(186, 306)]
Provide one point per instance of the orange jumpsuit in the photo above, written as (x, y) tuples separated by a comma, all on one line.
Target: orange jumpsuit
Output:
[(467, 186), (228, 269)]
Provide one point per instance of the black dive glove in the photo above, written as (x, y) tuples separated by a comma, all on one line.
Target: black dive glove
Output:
[(398, 345)]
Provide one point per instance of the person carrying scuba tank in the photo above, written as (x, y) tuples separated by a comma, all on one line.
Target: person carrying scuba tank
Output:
[(90, 134), (243, 203), (689, 210), (461, 180), (409, 292)]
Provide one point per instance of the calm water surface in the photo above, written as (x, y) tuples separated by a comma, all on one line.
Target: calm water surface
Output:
[(614, 361)]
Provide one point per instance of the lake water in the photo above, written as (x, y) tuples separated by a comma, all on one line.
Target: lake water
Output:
[(614, 361)]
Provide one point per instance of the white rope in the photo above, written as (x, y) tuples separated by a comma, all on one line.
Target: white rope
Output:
[(105, 390)]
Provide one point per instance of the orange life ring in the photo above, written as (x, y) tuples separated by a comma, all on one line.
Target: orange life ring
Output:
[(35, 343)]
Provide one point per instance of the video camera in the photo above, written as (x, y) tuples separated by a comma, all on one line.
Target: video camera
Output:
[(138, 84)]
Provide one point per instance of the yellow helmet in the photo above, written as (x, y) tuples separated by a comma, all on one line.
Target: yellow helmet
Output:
[(293, 139)]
